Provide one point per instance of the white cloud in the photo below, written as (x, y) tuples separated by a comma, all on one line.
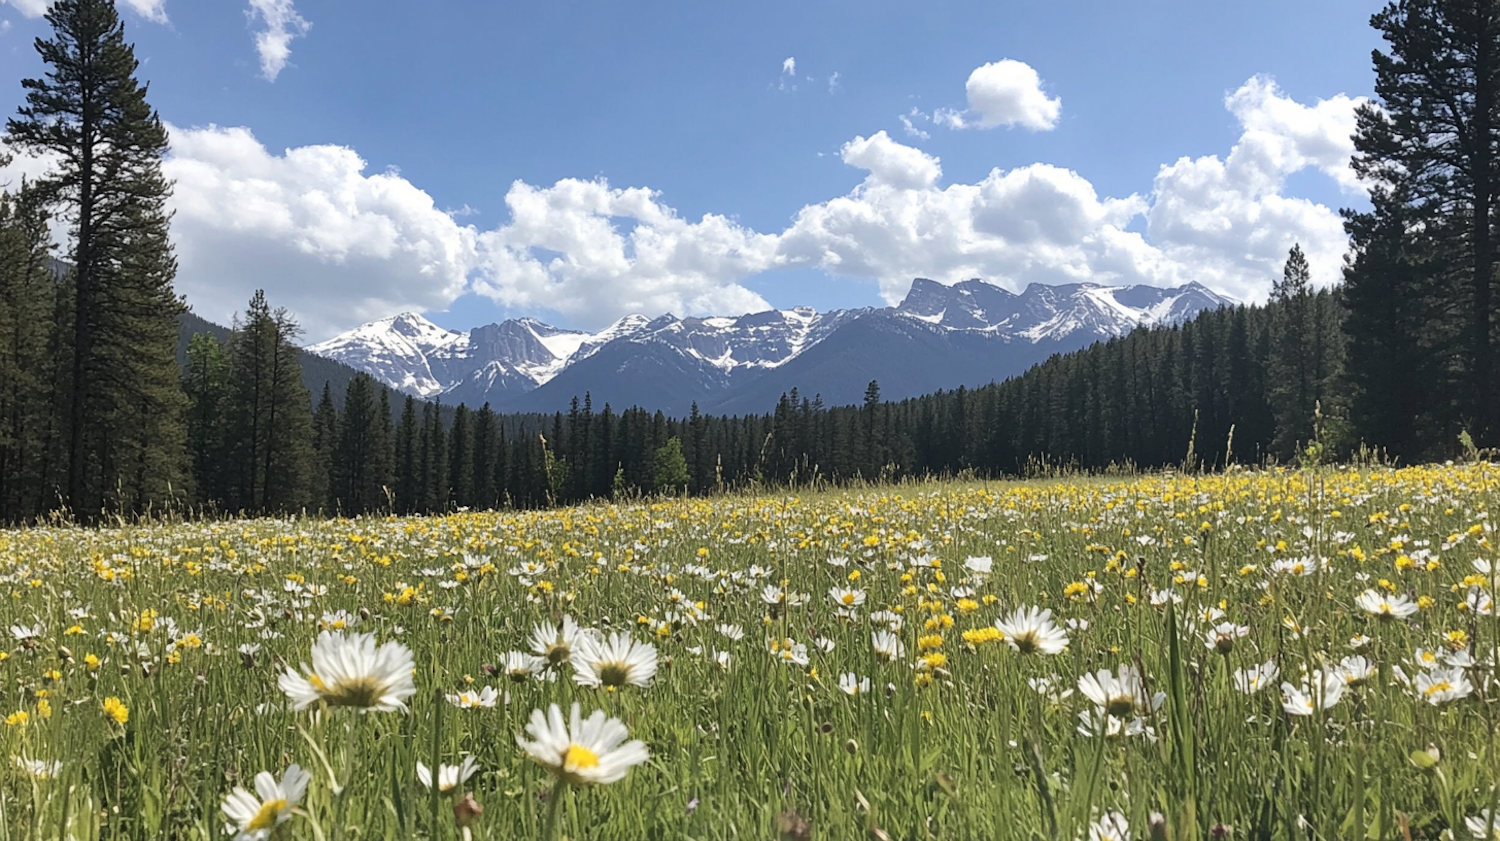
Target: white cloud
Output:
[(911, 127), (833, 83), (4, 26), (1228, 220), (891, 164), (566, 249), (339, 246), (30, 8), (282, 24), (331, 243), (1004, 93), (152, 10), (789, 66), (1223, 223)]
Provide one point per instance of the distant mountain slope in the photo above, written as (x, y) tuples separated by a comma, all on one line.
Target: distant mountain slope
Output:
[(938, 337)]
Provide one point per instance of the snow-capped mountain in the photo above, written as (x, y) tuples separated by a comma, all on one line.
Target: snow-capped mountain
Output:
[(938, 337)]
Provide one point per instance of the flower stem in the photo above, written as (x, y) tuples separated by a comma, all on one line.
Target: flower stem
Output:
[(554, 801)]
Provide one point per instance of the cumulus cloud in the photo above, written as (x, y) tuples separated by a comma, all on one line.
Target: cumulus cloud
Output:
[(1224, 223), (333, 244), (891, 164), (339, 245), (274, 42), (789, 66), (1228, 220), (1004, 93), (594, 253), (152, 10)]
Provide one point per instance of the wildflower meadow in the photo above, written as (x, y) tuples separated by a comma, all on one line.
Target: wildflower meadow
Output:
[(1257, 654)]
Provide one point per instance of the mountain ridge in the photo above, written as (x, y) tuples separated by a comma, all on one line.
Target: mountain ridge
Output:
[(939, 336)]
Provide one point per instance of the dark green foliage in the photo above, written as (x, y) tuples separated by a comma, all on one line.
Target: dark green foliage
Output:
[(268, 455), (1421, 307), (29, 360), (324, 443), (122, 435), (362, 459), (206, 383), (671, 471)]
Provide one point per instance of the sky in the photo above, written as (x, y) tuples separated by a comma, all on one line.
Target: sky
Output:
[(580, 161)]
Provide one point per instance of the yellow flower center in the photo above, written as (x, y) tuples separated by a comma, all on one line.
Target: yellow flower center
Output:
[(267, 816), (579, 757), (1120, 706), (1440, 686)]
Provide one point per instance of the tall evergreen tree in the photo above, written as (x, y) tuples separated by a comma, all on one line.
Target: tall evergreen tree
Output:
[(324, 443), (461, 458), (28, 331), (125, 441), (1429, 150), (206, 382), (1292, 390), (362, 462), (408, 489), (268, 414)]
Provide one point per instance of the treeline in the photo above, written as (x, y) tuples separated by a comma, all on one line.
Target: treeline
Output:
[(1245, 384)]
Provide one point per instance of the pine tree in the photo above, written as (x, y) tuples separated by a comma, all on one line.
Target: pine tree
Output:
[(324, 443), (1429, 150), (206, 383), (408, 490), (461, 458), (671, 470), (28, 301), (125, 440), (1290, 382), (362, 462), (268, 415)]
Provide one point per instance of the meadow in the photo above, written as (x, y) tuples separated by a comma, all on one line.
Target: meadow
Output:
[(1276, 654)]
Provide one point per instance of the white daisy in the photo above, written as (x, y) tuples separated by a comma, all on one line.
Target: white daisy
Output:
[(518, 665), (1381, 606), (1356, 670), (1323, 693), (845, 597), (853, 684), (39, 768), (258, 817), (1119, 694), (887, 645), (554, 643), (1222, 636), (582, 752), (351, 671), (450, 777), (1439, 686), (616, 661), (1112, 827), (1030, 630), (1050, 688), (1256, 678), (469, 699), (1482, 828)]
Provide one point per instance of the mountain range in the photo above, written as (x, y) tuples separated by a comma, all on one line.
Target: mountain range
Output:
[(938, 337)]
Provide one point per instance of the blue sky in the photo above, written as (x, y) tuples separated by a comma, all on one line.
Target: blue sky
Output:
[(580, 160)]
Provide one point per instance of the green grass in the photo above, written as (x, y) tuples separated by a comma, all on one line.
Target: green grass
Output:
[(766, 748)]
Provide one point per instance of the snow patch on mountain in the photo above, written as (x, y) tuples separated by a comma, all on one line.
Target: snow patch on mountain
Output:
[(413, 355)]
